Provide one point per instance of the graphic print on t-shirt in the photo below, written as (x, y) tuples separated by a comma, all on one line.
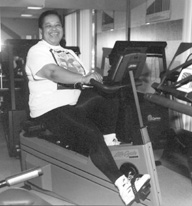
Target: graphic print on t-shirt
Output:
[(67, 61)]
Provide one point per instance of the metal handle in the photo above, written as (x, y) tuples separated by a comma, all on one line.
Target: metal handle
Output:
[(26, 175)]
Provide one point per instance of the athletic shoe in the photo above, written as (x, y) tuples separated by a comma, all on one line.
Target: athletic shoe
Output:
[(129, 187), (111, 139)]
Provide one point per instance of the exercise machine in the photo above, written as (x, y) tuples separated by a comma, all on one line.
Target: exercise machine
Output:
[(13, 193), (154, 117), (72, 175), (174, 92), (20, 196)]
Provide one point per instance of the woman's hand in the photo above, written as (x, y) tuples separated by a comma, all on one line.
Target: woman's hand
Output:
[(92, 75)]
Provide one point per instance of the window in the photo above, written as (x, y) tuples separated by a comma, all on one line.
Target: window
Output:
[(157, 10)]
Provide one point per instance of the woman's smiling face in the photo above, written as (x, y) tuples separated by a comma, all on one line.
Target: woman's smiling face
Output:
[(52, 30)]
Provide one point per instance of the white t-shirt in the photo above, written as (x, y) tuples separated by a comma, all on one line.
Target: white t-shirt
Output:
[(44, 94)]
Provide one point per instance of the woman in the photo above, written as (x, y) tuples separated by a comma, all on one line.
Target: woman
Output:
[(84, 118)]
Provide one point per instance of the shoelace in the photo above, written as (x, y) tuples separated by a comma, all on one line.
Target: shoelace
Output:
[(130, 176)]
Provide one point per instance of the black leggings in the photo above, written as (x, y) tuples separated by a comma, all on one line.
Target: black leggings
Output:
[(84, 125)]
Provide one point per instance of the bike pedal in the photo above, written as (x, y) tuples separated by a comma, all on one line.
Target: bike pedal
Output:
[(145, 191)]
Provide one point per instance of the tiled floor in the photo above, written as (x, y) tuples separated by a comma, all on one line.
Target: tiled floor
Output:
[(176, 189)]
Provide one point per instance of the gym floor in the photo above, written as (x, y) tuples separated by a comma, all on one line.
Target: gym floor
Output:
[(175, 184)]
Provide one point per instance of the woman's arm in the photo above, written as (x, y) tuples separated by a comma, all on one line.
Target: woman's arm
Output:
[(57, 74)]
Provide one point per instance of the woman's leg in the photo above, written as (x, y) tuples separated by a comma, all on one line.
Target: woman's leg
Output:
[(71, 123), (101, 109)]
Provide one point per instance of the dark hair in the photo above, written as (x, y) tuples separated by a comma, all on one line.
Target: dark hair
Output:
[(47, 13)]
